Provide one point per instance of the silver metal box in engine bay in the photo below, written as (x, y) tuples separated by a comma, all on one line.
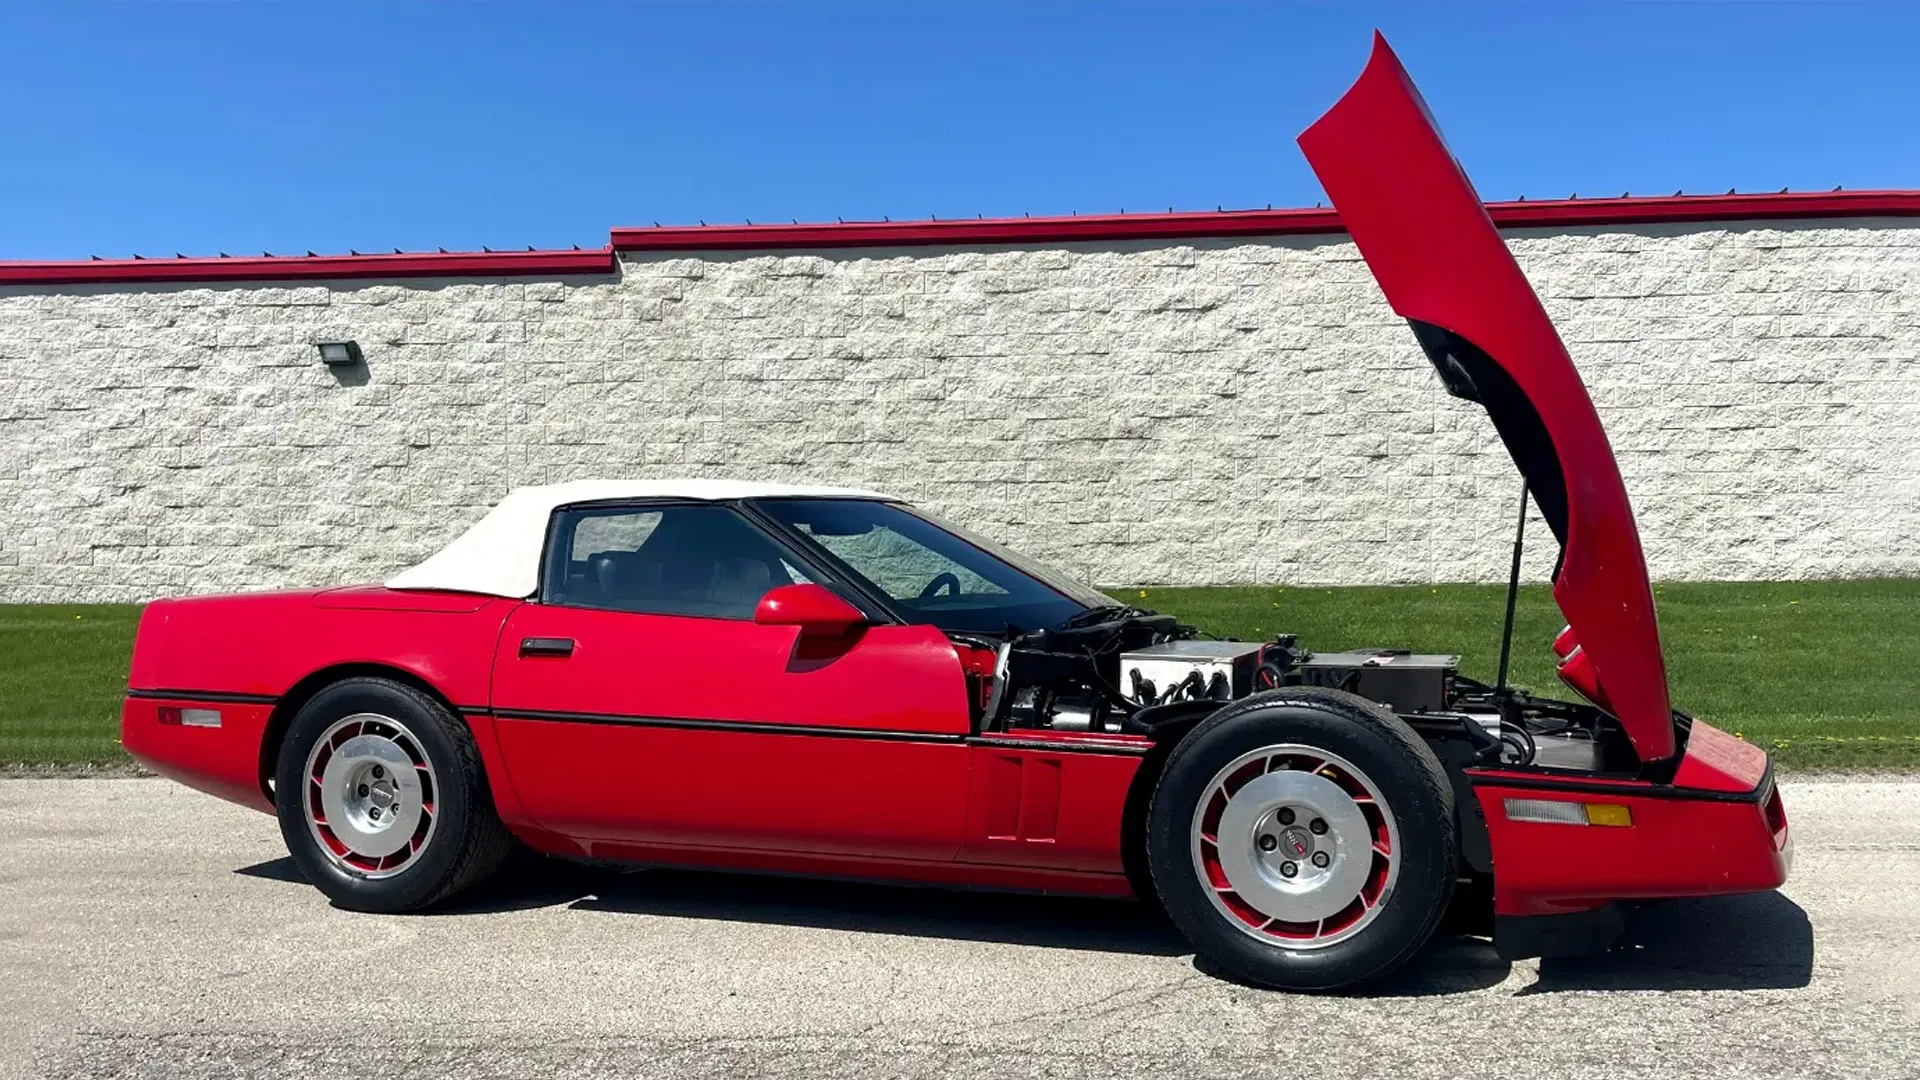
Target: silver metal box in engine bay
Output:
[(1190, 670), (1405, 682)]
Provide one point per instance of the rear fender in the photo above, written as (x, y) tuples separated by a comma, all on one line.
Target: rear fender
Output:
[(296, 698), (275, 650), (479, 721)]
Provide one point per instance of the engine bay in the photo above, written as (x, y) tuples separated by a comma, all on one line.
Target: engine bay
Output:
[(1125, 670)]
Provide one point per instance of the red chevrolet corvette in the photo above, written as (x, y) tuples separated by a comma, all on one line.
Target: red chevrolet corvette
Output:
[(761, 677)]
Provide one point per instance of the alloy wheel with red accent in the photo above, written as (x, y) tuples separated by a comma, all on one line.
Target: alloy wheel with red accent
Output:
[(370, 795), (382, 798), (1303, 839), (1298, 845)]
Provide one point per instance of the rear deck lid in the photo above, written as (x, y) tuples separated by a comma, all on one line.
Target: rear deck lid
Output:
[(1427, 238)]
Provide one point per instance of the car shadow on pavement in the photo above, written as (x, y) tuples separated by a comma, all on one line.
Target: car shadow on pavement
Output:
[(280, 869), (1059, 922), (1751, 942), (1757, 941)]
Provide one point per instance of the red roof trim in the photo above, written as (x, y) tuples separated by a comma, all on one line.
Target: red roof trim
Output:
[(963, 231), (1546, 212), (456, 264)]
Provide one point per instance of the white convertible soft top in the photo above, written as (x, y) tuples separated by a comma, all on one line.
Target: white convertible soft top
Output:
[(500, 554)]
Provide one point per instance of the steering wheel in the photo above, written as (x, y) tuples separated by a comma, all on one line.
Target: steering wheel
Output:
[(945, 579)]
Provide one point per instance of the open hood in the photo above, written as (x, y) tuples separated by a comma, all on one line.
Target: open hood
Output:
[(1441, 263)]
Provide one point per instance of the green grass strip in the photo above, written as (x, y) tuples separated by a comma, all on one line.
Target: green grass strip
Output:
[(63, 670), (1819, 672)]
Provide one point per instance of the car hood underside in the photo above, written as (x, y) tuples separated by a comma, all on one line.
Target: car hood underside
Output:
[(1437, 256)]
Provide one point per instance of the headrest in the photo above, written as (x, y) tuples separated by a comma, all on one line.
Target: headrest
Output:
[(743, 578)]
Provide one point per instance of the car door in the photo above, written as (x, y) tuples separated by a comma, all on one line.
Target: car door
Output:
[(638, 702)]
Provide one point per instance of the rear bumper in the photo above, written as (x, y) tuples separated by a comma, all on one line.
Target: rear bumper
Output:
[(218, 752), (1720, 829)]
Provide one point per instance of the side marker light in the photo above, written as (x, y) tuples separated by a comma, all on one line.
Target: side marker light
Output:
[(1557, 812), (174, 714)]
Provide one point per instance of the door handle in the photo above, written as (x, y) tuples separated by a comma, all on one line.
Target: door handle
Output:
[(561, 647)]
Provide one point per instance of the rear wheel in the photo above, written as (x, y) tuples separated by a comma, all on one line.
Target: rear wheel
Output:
[(1303, 839), (382, 799)]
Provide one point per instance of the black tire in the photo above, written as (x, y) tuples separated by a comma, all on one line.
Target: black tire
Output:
[(1409, 779), (466, 841)]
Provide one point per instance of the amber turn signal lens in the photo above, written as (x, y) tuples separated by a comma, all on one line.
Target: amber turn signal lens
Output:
[(1613, 814)]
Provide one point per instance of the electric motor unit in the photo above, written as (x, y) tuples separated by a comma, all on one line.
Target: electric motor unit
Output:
[(1402, 681), (1190, 670)]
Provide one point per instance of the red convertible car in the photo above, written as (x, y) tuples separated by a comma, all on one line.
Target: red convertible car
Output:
[(811, 680)]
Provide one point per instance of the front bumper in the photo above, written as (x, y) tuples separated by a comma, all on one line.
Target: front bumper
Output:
[(1719, 828)]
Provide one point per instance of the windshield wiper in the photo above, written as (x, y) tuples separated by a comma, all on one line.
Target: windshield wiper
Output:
[(1101, 613)]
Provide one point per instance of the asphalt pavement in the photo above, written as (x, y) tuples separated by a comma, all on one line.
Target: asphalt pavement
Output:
[(149, 931)]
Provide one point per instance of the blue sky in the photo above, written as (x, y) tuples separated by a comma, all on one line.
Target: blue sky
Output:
[(165, 127)]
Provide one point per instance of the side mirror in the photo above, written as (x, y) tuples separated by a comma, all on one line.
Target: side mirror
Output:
[(809, 607)]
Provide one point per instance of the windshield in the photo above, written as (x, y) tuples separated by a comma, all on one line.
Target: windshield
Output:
[(932, 572)]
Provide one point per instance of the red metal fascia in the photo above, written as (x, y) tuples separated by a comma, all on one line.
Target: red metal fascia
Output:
[(455, 264), (1682, 209), (1632, 210), (1024, 230)]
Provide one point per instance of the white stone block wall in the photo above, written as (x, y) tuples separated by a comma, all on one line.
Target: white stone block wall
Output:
[(1192, 412)]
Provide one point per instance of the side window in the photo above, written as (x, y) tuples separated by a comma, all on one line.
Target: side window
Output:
[(664, 560)]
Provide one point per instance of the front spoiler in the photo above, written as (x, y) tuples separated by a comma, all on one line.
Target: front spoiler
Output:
[(1722, 831)]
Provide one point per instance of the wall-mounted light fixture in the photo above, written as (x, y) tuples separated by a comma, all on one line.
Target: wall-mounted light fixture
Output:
[(340, 353)]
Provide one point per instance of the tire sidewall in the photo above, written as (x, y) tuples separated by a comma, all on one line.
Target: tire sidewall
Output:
[(453, 798), (1401, 767)]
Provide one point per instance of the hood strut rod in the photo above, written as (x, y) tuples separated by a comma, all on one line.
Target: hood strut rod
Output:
[(1513, 593)]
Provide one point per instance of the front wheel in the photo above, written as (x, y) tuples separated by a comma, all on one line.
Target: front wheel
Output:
[(382, 799), (1303, 839)]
